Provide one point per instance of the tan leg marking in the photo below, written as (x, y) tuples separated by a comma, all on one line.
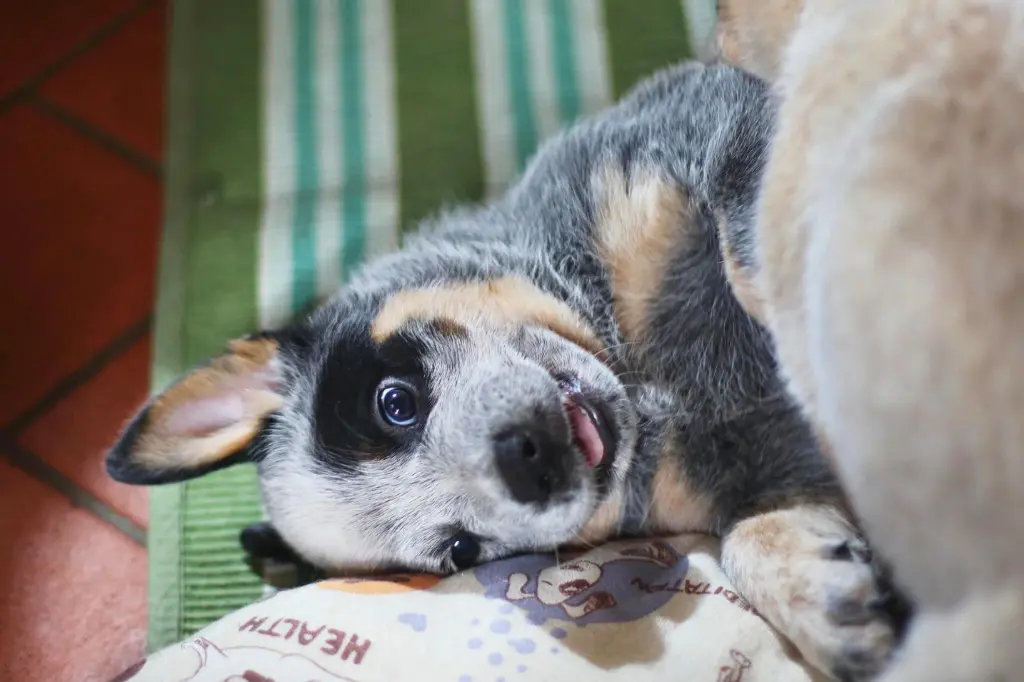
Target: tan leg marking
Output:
[(638, 228), (741, 280), (675, 507), (503, 302), (753, 33), (978, 641), (603, 525), (805, 570)]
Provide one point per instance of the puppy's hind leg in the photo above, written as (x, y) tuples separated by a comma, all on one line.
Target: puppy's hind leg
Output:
[(806, 570)]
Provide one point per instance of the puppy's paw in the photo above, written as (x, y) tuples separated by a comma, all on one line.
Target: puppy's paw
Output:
[(270, 557), (808, 573), (841, 611)]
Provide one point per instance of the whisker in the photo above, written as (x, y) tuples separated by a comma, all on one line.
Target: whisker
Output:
[(586, 544), (616, 346)]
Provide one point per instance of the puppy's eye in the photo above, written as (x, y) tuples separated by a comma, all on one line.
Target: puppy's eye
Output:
[(397, 405), (464, 550)]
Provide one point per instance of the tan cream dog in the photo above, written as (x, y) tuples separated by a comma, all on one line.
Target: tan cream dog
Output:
[(888, 262)]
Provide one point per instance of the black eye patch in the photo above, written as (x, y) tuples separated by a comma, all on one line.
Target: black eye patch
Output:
[(356, 416)]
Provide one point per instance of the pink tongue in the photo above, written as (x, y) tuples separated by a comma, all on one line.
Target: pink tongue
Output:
[(587, 437)]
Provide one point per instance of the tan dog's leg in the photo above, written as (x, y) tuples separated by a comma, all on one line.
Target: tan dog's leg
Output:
[(892, 256), (809, 574), (753, 33), (914, 287), (891, 247), (979, 642)]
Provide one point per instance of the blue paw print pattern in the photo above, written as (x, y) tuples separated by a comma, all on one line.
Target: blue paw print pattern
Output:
[(504, 650), (417, 621), (579, 592)]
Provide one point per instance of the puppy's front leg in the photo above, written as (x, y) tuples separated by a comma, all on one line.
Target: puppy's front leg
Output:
[(806, 570)]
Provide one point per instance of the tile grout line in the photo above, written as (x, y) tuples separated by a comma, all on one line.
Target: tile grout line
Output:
[(35, 467), (91, 41), (27, 93), (19, 456), (77, 378), (95, 134)]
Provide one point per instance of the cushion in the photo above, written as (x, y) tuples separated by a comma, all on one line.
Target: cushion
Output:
[(641, 611)]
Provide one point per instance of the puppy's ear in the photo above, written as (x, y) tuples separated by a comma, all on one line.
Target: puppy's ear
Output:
[(205, 421)]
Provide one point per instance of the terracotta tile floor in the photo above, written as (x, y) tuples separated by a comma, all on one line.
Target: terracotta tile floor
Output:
[(81, 139)]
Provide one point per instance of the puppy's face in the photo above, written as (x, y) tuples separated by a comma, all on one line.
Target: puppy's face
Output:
[(446, 427)]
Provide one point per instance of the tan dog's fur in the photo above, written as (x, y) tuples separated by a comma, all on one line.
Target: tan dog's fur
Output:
[(891, 269)]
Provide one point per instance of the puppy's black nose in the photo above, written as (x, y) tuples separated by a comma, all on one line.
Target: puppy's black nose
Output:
[(532, 463)]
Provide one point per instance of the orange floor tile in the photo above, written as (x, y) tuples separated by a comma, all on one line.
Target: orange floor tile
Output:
[(81, 138)]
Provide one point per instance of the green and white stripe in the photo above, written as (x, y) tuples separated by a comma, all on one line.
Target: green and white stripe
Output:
[(540, 64), (700, 24), (279, 167), (383, 201), (329, 222), (331, 165)]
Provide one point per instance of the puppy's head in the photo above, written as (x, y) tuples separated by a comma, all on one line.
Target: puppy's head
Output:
[(428, 429), (753, 34)]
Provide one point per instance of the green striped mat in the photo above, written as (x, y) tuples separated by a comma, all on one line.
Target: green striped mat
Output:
[(305, 136)]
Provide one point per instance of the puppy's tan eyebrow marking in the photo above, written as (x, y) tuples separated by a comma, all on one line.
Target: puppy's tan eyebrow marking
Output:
[(639, 225), (503, 302)]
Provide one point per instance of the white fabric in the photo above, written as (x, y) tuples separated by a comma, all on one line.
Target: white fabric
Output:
[(636, 611)]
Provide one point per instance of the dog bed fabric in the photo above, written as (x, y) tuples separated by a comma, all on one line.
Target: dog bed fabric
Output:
[(304, 137), (640, 610)]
